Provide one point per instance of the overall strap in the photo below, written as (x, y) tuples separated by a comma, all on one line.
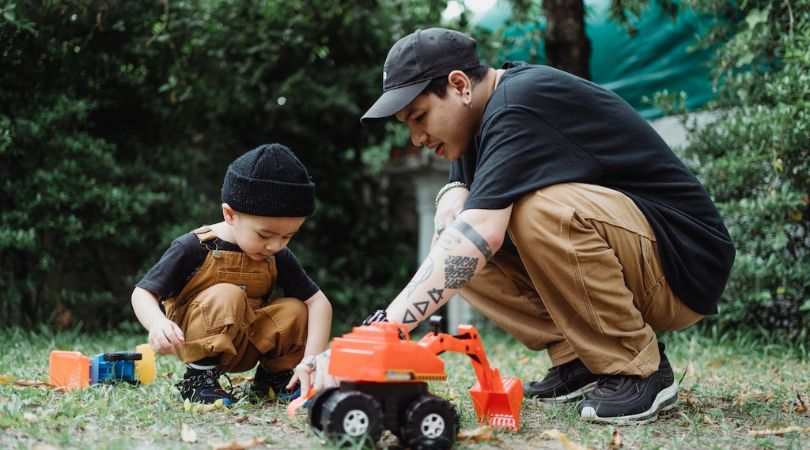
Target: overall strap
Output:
[(205, 234)]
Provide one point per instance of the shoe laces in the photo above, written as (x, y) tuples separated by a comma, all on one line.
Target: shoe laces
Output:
[(204, 379), (614, 383)]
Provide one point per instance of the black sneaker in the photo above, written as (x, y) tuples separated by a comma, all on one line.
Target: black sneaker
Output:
[(631, 399), (202, 386), (563, 383), (272, 385)]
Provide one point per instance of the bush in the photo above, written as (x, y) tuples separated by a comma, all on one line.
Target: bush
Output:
[(118, 119), (754, 160)]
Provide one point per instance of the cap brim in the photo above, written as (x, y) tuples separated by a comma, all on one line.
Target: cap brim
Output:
[(392, 102)]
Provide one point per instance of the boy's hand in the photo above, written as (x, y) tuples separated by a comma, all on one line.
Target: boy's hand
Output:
[(165, 336), (322, 378), (303, 373)]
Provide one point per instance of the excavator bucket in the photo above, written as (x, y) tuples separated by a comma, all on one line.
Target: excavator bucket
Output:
[(500, 405)]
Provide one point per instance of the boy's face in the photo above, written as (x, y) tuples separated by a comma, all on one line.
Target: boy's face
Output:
[(258, 236), (445, 125)]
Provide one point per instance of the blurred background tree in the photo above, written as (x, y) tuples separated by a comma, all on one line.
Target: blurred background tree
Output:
[(118, 119)]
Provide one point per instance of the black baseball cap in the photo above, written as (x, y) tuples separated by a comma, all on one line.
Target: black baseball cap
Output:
[(413, 62)]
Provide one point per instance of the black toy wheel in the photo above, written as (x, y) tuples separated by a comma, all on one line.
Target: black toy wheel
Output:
[(316, 409), (430, 423), (123, 356), (350, 418)]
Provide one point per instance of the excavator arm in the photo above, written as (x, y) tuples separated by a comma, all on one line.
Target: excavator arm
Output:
[(496, 400)]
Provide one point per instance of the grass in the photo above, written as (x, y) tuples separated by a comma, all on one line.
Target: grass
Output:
[(730, 388)]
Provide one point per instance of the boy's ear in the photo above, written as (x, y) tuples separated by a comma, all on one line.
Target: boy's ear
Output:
[(228, 213)]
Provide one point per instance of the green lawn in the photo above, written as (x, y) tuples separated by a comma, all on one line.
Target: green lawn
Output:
[(732, 389)]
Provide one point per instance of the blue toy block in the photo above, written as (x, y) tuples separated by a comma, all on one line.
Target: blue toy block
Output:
[(108, 368)]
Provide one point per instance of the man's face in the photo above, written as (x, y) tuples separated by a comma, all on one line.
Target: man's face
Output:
[(445, 125)]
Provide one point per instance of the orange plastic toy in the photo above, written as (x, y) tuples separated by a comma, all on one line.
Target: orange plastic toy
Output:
[(69, 370), (384, 387)]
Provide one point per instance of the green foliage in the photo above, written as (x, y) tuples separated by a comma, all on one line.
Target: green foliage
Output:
[(118, 119), (754, 160)]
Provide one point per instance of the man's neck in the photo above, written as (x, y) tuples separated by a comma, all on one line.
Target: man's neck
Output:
[(484, 90)]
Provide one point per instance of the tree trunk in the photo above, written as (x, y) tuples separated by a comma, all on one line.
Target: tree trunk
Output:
[(567, 46)]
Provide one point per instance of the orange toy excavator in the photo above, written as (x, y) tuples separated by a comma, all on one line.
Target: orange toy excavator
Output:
[(384, 386)]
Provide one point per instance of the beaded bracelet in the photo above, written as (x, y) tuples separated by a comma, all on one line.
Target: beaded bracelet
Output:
[(447, 187)]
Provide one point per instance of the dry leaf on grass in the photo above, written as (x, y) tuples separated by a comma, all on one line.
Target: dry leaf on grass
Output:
[(30, 383), (753, 395), (563, 439), (239, 445), (616, 440), (482, 433), (6, 379), (779, 432), (41, 446), (802, 407), (240, 378), (187, 434)]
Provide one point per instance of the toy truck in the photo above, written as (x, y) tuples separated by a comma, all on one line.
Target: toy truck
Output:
[(73, 370), (384, 386)]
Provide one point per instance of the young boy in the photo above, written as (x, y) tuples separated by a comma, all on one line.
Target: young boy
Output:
[(215, 285)]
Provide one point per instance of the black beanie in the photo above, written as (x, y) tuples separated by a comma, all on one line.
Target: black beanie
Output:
[(269, 181)]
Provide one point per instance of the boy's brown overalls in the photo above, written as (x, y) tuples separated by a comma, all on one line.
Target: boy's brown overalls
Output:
[(223, 310)]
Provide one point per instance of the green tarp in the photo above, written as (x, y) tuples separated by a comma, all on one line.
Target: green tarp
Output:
[(661, 56)]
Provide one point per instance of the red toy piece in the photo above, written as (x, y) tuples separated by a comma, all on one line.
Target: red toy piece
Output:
[(384, 387)]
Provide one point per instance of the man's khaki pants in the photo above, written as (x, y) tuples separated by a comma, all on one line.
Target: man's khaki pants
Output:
[(588, 282)]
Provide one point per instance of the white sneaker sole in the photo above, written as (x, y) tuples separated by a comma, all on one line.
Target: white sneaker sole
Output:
[(665, 400)]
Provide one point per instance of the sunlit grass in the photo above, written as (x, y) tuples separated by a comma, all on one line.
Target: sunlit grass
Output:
[(731, 386)]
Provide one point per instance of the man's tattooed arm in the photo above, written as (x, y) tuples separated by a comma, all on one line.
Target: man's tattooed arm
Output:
[(460, 253), (469, 232)]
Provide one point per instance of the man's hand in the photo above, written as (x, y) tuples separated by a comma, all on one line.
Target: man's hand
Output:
[(165, 336), (448, 208)]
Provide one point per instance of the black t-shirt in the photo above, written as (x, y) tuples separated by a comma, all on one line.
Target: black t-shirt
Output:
[(543, 126), (182, 259)]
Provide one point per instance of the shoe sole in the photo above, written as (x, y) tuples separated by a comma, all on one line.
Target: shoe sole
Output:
[(576, 395), (664, 401)]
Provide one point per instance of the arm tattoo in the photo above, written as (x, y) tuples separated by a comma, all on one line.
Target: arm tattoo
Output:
[(474, 237), (447, 240), (421, 275), (458, 270), (408, 317), (436, 295)]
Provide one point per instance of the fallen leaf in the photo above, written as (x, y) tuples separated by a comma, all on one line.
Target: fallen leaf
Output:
[(239, 445), (240, 378), (187, 434), (188, 406), (802, 408), (753, 395), (41, 446), (563, 439), (242, 419), (6, 379), (616, 441), (708, 420), (30, 383), (778, 432), (482, 433)]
